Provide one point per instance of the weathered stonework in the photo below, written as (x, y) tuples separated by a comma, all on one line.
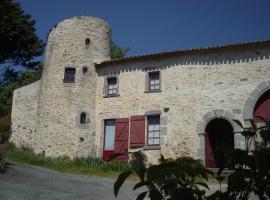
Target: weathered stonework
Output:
[(196, 87)]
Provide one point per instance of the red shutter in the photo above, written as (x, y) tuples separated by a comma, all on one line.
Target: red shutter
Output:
[(121, 136), (137, 131)]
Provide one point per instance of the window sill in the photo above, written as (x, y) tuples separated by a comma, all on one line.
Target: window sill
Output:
[(152, 91), (157, 147), (68, 81), (111, 95)]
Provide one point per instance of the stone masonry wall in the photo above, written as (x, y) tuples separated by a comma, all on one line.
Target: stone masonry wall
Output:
[(59, 131), (24, 115), (192, 86)]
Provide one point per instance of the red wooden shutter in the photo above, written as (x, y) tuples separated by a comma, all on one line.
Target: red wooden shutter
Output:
[(121, 136), (137, 131)]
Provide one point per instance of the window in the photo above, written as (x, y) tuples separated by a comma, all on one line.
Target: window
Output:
[(87, 41), (112, 86), (109, 135), (85, 69), (69, 76), (83, 118), (154, 81), (153, 130)]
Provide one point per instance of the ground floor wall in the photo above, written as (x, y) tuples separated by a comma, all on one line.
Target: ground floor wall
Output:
[(24, 115)]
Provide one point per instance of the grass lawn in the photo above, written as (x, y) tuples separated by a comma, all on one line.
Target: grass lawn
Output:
[(86, 166)]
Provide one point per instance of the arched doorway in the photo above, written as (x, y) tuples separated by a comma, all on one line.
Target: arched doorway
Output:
[(219, 140), (262, 106)]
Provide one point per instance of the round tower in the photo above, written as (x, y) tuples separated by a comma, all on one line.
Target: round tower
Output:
[(67, 103)]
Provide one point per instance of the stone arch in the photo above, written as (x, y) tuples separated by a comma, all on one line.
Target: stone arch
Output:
[(209, 116), (253, 98)]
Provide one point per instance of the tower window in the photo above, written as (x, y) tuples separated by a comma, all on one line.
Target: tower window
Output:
[(85, 69), (69, 76), (87, 41), (83, 118)]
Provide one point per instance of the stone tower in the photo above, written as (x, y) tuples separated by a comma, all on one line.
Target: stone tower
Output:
[(77, 44)]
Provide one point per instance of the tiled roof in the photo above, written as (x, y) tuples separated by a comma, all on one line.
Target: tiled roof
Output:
[(185, 51)]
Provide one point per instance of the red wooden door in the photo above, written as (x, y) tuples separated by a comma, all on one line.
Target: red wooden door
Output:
[(121, 136), (137, 131), (209, 153), (262, 108)]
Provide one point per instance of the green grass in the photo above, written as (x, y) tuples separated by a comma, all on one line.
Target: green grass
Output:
[(87, 166)]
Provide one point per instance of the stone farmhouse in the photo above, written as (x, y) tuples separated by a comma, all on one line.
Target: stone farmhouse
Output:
[(172, 103)]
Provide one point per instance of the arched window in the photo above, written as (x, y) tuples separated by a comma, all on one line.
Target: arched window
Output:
[(85, 69), (87, 41), (83, 118)]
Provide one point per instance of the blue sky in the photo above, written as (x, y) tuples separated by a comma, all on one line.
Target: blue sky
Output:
[(148, 26)]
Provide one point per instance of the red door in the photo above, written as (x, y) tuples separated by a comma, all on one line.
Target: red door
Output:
[(209, 153), (121, 137), (262, 107)]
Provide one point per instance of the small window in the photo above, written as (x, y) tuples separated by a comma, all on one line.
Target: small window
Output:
[(87, 41), (154, 81), (83, 118), (69, 76), (85, 69), (112, 85), (153, 130)]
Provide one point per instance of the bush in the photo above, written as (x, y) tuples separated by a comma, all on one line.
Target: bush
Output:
[(178, 179)]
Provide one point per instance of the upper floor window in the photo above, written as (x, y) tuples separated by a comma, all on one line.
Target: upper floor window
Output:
[(153, 130), (83, 118), (69, 76), (154, 81), (111, 86)]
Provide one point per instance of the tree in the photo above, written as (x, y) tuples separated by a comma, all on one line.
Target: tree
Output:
[(18, 39), (118, 52)]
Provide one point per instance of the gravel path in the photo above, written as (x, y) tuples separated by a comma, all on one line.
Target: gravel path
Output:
[(25, 182)]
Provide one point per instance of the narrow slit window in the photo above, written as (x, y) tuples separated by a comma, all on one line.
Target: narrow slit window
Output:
[(87, 41), (83, 118)]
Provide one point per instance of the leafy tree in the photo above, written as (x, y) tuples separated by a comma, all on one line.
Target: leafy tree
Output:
[(18, 39), (183, 178), (178, 179), (118, 52)]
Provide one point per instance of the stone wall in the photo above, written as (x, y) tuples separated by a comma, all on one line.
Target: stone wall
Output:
[(24, 115), (193, 86), (78, 42)]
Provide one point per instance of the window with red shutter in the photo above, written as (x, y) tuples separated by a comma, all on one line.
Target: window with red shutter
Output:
[(153, 129), (137, 131)]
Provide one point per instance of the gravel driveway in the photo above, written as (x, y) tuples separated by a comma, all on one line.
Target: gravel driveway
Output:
[(25, 182)]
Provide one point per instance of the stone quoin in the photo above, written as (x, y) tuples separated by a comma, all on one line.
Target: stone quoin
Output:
[(179, 103)]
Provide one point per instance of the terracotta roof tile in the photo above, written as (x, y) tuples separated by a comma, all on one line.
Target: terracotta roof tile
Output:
[(185, 51)]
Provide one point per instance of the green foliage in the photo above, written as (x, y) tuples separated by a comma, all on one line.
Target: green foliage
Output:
[(118, 52), (178, 179), (18, 39), (170, 179), (251, 168)]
